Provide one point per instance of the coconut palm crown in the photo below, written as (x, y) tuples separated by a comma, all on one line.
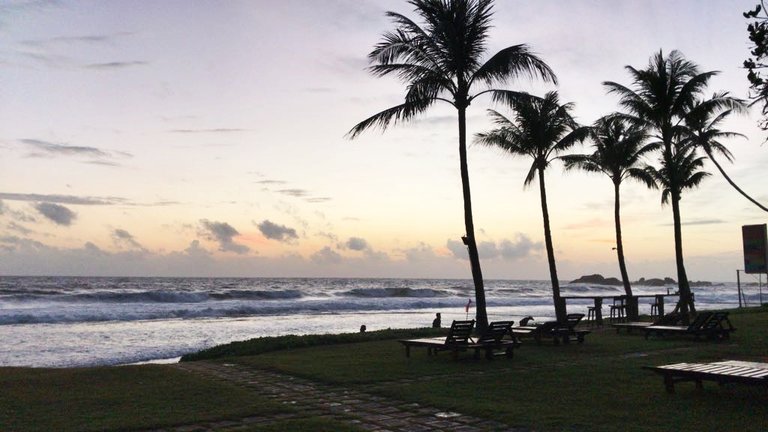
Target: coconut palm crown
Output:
[(540, 128), (441, 60), (702, 129), (619, 146), (661, 97)]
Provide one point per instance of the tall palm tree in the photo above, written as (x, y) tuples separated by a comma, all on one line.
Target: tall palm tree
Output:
[(440, 61), (619, 147), (540, 128), (681, 171), (661, 96), (702, 129)]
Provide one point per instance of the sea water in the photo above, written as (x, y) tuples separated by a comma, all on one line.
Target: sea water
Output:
[(86, 321)]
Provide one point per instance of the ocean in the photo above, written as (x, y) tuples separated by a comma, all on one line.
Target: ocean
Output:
[(87, 321)]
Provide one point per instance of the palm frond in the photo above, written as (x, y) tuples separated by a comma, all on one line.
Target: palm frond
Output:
[(513, 62), (403, 112)]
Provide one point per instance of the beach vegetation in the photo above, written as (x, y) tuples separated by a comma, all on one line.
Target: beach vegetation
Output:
[(267, 344), (619, 146), (443, 60), (541, 128), (660, 98), (758, 36), (598, 386), (119, 399)]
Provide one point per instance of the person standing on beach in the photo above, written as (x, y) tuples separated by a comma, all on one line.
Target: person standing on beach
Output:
[(436, 321)]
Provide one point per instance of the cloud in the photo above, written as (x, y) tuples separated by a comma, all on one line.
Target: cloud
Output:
[(318, 199), (62, 199), (58, 214), (277, 232), (13, 226), (2, 207), (521, 247), (122, 237), (299, 193), (214, 130), (271, 182), (223, 233), (326, 255), (45, 148), (115, 65), (356, 244)]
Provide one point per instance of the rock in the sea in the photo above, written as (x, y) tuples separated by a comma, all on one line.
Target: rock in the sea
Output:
[(655, 282), (598, 279)]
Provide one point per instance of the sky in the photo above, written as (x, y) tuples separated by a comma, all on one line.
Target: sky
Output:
[(207, 138)]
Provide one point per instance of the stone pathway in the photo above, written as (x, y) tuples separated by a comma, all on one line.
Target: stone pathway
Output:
[(312, 399)]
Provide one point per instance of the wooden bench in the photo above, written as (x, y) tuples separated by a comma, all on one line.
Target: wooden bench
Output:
[(720, 372)]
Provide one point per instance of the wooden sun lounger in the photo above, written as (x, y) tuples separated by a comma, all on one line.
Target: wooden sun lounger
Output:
[(493, 340), (670, 319), (711, 325), (457, 340), (720, 372), (554, 329), (489, 342)]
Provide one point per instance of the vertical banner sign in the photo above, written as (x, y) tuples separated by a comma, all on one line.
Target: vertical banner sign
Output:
[(755, 249)]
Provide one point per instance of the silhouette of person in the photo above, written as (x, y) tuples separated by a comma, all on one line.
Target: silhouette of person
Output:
[(436, 321), (362, 328)]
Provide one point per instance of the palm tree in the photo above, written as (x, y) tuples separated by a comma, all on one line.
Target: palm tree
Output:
[(441, 62), (662, 95), (618, 149), (541, 128), (679, 172), (702, 129)]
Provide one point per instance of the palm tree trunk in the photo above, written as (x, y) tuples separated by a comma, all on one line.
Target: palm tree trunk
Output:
[(709, 153), (686, 300), (560, 311), (469, 239), (619, 245)]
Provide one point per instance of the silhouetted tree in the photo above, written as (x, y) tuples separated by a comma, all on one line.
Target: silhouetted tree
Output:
[(662, 95), (701, 129), (540, 128), (619, 147), (440, 61), (758, 35)]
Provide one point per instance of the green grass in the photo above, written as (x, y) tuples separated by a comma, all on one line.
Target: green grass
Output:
[(118, 398), (599, 385)]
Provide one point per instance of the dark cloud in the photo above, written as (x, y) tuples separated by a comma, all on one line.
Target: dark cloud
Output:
[(223, 233), (271, 182), (122, 237), (115, 65), (63, 199), (63, 149), (49, 149), (58, 214), (298, 193), (326, 255), (704, 222), (277, 232), (356, 244)]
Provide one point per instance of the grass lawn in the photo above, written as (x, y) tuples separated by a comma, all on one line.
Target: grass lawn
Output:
[(118, 398), (599, 385)]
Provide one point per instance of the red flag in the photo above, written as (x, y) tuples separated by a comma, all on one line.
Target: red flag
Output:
[(469, 303)]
